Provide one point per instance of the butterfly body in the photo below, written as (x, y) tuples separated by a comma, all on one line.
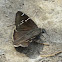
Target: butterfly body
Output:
[(25, 31)]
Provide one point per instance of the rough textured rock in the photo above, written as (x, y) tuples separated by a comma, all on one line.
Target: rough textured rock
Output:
[(46, 14)]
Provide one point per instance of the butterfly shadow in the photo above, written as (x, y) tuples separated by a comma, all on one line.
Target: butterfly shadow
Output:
[(33, 50)]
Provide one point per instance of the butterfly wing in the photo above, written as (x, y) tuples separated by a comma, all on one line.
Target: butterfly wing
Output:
[(23, 22), (26, 29)]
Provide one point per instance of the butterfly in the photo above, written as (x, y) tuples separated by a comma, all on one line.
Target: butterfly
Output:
[(26, 30)]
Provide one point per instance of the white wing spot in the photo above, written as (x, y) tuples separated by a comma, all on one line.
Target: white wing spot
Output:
[(22, 14), (27, 19), (22, 22)]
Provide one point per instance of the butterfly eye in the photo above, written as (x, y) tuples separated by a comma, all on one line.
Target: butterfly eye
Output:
[(43, 30)]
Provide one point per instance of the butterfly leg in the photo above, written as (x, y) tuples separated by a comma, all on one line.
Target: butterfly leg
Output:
[(46, 44), (41, 42)]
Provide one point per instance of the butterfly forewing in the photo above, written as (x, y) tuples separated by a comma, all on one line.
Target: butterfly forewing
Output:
[(23, 22)]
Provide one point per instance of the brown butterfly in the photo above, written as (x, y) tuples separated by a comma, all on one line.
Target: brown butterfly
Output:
[(26, 30)]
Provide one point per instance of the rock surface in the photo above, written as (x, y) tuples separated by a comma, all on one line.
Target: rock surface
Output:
[(46, 14)]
